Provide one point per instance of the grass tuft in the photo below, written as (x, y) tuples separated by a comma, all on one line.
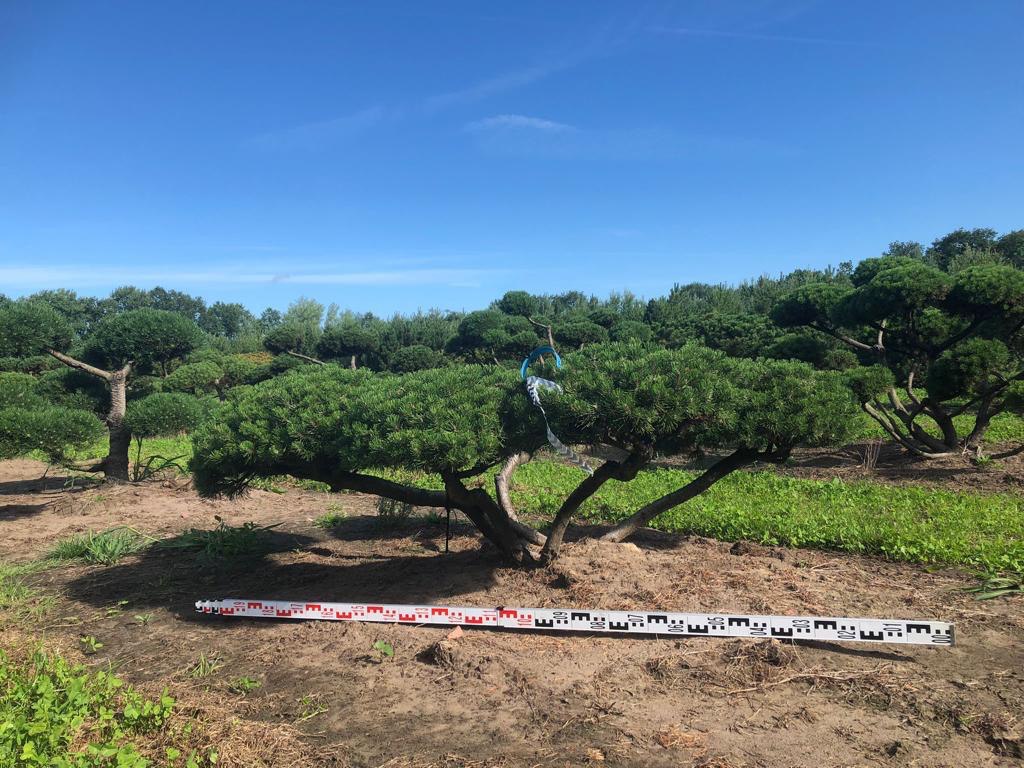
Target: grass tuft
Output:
[(224, 541), (103, 548)]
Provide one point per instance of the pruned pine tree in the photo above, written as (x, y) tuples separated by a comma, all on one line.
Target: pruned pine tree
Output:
[(120, 345), (340, 426), (934, 345)]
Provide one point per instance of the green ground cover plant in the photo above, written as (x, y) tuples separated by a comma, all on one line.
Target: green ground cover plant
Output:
[(912, 524), (55, 713)]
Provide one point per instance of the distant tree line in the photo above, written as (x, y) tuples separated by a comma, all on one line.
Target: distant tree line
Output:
[(924, 335)]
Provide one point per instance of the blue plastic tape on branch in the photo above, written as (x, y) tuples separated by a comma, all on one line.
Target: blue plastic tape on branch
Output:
[(534, 386), (533, 356)]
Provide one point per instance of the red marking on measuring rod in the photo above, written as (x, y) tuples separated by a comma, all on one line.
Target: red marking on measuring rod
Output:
[(639, 622)]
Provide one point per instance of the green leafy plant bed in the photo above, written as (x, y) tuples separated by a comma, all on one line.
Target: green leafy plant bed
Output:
[(912, 524), (55, 713)]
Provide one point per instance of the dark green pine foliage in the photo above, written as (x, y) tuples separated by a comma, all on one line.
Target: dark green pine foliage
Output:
[(338, 426), (941, 344)]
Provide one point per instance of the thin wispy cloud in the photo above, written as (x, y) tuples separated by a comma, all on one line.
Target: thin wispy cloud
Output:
[(601, 41), (319, 134), (54, 276), (759, 37), (493, 85), (639, 144), (518, 122)]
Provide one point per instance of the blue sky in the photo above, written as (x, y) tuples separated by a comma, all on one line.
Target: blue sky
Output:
[(391, 156)]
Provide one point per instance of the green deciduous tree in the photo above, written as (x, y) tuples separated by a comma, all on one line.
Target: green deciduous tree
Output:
[(490, 335), (1011, 248), (944, 250), (336, 426), (958, 336)]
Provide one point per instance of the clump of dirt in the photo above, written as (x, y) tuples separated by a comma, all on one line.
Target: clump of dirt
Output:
[(443, 653), (492, 698)]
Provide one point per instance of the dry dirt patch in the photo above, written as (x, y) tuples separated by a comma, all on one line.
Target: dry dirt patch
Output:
[(509, 699)]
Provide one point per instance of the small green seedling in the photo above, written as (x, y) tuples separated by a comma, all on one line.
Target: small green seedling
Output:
[(244, 685), (206, 666), (310, 706), (330, 520), (90, 644), (116, 610), (143, 618), (385, 649)]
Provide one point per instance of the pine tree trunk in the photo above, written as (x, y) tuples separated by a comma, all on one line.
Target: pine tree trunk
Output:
[(115, 465)]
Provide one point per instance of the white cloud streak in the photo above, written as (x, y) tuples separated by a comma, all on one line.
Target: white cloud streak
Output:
[(497, 84), (753, 36), (57, 276), (319, 134), (499, 122)]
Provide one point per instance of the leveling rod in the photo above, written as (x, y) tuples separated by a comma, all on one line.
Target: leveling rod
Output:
[(828, 628)]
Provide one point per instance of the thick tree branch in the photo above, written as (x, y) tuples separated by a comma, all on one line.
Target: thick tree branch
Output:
[(910, 389), (735, 460), (504, 478), (90, 369), (491, 519), (625, 470), (888, 423), (834, 333), (354, 481)]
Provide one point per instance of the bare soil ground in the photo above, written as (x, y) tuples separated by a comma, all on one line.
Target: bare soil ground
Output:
[(516, 699)]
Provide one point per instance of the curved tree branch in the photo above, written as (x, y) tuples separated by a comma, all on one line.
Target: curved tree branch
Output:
[(625, 471), (504, 477), (735, 460)]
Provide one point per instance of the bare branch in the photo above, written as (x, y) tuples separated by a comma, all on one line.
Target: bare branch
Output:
[(90, 369), (738, 458), (551, 338), (842, 337), (889, 424), (610, 470), (504, 477), (307, 358)]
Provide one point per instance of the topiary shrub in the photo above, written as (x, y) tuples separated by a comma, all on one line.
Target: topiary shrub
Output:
[(336, 426), (29, 423), (959, 337), (162, 413)]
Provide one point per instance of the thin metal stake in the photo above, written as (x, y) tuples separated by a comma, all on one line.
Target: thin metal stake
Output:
[(448, 521)]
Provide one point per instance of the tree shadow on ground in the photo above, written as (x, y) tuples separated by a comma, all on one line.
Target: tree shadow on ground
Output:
[(376, 528), (175, 579), (48, 484), (15, 511)]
